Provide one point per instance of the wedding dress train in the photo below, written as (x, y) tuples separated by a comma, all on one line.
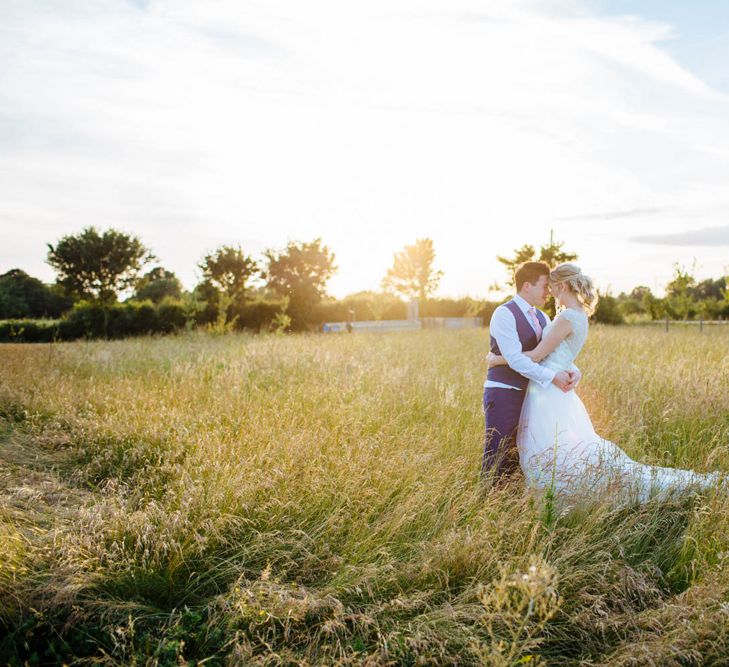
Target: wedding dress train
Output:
[(559, 449)]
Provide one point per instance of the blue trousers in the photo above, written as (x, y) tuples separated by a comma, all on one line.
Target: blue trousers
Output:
[(501, 408)]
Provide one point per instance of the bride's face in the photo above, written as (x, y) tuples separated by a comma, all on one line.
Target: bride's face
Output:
[(557, 290)]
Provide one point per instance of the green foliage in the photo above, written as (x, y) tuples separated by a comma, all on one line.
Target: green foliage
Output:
[(679, 301), (551, 253), (22, 296), (92, 320), (229, 270), (223, 323), (652, 306), (710, 289), (98, 266), (29, 331), (685, 299), (526, 253), (172, 315), (412, 274), (300, 273), (205, 303), (608, 310), (262, 315), (157, 285), (281, 322), (224, 289)]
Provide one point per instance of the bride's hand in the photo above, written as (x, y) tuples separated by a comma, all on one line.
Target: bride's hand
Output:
[(494, 360)]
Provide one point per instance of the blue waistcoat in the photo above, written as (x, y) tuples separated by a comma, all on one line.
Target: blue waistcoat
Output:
[(528, 339)]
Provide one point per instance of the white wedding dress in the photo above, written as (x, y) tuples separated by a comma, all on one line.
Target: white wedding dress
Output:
[(559, 449)]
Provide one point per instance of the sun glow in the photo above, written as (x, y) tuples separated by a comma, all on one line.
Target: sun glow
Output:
[(479, 125)]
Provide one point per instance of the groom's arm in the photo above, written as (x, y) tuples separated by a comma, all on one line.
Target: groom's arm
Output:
[(503, 329)]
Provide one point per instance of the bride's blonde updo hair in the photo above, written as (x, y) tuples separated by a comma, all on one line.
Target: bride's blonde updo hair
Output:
[(580, 284)]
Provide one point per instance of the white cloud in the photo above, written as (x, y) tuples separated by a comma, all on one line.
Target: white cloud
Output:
[(369, 124)]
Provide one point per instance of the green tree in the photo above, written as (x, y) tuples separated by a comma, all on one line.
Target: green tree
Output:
[(204, 301), (640, 292), (552, 253), (229, 269), (607, 311), (636, 303), (22, 295), (710, 289), (412, 274), (300, 272), (158, 284), (652, 305), (226, 274), (679, 292), (98, 266)]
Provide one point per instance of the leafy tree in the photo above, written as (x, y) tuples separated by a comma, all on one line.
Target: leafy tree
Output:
[(637, 303), (98, 266), (607, 311), (204, 302), (158, 284), (412, 274), (226, 273), (630, 307), (12, 303), (640, 292), (710, 289), (22, 295), (679, 292), (229, 269), (653, 306), (300, 272), (551, 253)]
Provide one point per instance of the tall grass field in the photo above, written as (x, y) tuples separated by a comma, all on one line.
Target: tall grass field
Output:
[(315, 500)]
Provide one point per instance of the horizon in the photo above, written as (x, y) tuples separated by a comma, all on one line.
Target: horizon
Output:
[(493, 294), (478, 125)]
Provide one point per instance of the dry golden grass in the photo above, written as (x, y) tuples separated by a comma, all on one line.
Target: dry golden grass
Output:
[(315, 500)]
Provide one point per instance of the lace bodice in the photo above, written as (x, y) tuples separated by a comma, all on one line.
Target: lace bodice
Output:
[(562, 358)]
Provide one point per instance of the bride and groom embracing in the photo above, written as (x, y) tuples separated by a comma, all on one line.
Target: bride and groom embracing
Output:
[(534, 418)]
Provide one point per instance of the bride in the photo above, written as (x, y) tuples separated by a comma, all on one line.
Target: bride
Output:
[(558, 446)]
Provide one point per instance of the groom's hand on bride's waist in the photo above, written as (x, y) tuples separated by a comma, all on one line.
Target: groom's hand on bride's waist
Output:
[(565, 380), (574, 379)]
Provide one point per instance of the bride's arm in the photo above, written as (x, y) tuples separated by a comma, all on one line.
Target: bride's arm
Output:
[(561, 329)]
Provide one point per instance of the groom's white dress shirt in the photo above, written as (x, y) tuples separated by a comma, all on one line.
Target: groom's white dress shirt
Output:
[(503, 328)]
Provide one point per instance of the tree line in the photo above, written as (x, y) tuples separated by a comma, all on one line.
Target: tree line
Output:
[(283, 289), (685, 297)]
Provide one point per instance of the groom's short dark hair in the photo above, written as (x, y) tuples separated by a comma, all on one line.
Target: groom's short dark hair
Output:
[(530, 272)]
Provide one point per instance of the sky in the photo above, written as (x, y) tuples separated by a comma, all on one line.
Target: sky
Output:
[(483, 125)]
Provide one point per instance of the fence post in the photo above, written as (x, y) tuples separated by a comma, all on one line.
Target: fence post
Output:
[(666, 323), (701, 324)]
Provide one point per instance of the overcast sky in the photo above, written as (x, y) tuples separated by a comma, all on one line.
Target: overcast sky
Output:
[(482, 125)]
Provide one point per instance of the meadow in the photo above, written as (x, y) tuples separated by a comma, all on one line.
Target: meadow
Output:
[(315, 500)]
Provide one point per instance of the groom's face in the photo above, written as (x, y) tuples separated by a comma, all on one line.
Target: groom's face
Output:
[(537, 293)]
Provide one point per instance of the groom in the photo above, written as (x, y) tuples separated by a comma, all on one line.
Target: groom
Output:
[(516, 327)]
